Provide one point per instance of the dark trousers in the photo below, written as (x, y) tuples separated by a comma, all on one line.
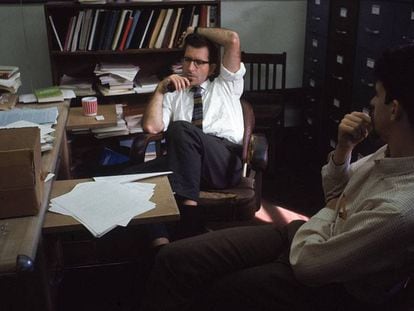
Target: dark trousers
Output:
[(243, 268), (197, 160)]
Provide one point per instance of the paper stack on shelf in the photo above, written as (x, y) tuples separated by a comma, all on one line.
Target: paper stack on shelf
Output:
[(9, 79), (146, 84), (133, 123), (81, 86), (116, 79)]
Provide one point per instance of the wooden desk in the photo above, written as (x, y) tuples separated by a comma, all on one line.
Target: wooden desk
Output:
[(19, 237), (77, 120), (166, 208)]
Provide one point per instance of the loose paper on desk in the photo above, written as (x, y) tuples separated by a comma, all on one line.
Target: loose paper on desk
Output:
[(101, 206), (40, 116), (131, 177)]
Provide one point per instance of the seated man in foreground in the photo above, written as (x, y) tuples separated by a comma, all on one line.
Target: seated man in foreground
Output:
[(354, 254), (203, 120)]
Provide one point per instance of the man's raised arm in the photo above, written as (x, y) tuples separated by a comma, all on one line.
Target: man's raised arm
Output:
[(228, 39)]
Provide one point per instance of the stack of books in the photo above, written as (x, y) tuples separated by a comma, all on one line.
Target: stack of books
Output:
[(116, 79), (81, 86), (146, 84), (9, 79), (49, 94)]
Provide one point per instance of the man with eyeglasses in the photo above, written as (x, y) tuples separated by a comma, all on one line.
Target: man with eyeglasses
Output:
[(208, 153)]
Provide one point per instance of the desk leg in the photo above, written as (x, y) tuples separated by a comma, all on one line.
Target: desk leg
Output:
[(64, 169)]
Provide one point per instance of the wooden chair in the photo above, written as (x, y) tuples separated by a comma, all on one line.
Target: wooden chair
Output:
[(265, 82), (237, 203)]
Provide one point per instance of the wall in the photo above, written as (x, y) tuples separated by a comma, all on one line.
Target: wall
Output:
[(23, 43), (270, 27), (264, 26)]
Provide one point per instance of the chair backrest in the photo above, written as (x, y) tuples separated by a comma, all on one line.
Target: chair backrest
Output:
[(265, 72)]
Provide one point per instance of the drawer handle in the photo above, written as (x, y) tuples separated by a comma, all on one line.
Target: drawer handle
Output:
[(372, 32), (337, 77), (316, 18), (311, 99), (315, 60), (408, 39), (341, 32), (370, 84)]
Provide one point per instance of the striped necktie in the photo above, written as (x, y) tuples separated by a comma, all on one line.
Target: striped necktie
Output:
[(197, 119)]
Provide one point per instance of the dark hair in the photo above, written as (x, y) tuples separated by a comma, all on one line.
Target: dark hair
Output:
[(395, 70), (198, 41)]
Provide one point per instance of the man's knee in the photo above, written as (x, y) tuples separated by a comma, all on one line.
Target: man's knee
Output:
[(179, 129)]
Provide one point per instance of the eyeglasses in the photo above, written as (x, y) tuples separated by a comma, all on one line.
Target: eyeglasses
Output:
[(197, 62)]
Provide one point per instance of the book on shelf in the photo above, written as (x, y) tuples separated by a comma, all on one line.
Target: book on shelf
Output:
[(196, 17), (104, 24), (149, 28), (140, 29), (119, 28), (175, 28), (129, 19), (203, 16), (157, 28), (56, 35), (49, 94), (85, 29), (169, 29), (75, 38), (69, 33), (184, 23), (114, 16), (135, 18), (212, 16), (163, 29), (93, 30)]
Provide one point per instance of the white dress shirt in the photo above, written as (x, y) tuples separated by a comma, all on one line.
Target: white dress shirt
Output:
[(222, 111)]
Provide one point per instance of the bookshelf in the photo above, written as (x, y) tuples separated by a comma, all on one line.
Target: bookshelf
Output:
[(81, 36)]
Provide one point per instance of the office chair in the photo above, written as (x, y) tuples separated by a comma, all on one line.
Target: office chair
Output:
[(265, 82), (234, 204)]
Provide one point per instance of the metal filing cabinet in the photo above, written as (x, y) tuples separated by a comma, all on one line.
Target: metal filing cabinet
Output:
[(340, 64), (314, 76)]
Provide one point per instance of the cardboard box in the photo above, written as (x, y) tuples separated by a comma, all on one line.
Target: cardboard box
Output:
[(21, 187)]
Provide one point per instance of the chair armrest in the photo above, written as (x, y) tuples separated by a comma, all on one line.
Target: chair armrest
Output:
[(140, 144), (258, 152)]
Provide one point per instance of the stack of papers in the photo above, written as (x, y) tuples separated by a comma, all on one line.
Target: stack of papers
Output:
[(106, 203), (49, 94), (116, 79), (81, 86), (10, 79), (44, 119), (147, 84)]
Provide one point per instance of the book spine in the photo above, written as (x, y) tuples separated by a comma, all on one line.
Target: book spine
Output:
[(137, 14), (145, 34), (175, 28), (93, 30), (127, 29), (161, 35), (119, 29), (52, 24)]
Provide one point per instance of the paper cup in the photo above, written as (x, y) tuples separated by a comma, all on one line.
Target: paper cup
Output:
[(90, 106)]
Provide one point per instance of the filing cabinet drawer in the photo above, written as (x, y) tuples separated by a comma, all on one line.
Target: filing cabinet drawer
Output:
[(339, 96), (403, 32), (315, 54), (375, 20), (318, 16), (312, 83), (344, 14), (340, 63)]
